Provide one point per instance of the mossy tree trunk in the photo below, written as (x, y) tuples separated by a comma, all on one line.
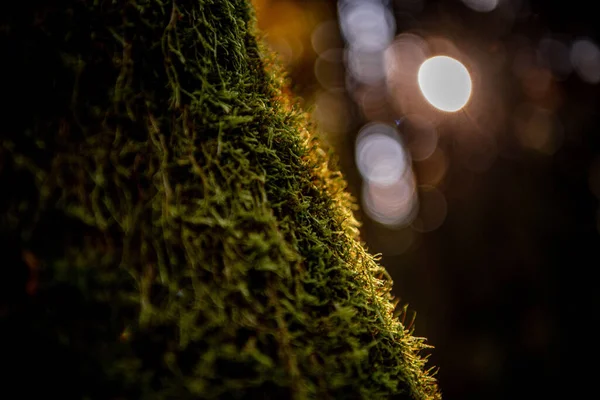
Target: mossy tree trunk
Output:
[(170, 228)]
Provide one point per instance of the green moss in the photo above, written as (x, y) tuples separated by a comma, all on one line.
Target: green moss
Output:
[(171, 228)]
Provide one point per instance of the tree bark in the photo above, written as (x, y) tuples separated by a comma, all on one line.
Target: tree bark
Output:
[(170, 225)]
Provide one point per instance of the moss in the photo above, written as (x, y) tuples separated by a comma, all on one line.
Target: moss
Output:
[(171, 226)]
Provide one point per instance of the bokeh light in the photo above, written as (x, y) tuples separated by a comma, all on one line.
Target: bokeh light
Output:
[(380, 157), (329, 68), (404, 56), (554, 54), (585, 57), (402, 60), (432, 170), (367, 26), (419, 136), (325, 36), (481, 5), (445, 83), (366, 67), (394, 205), (469, 206), (373, 102)]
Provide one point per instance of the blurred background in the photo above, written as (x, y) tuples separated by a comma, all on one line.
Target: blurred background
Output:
[(486, 215)]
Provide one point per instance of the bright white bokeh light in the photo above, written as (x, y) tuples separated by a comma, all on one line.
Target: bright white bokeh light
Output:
[(366, 25), (585, 57), (380, 157), (445, 83), (481, 5)]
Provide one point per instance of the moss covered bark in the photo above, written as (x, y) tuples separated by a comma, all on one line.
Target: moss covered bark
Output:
[(170, 228)]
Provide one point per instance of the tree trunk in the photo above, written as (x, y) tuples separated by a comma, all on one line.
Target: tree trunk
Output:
[(170, 227)]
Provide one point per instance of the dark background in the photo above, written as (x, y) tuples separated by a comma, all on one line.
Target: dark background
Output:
[(505, 288)]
